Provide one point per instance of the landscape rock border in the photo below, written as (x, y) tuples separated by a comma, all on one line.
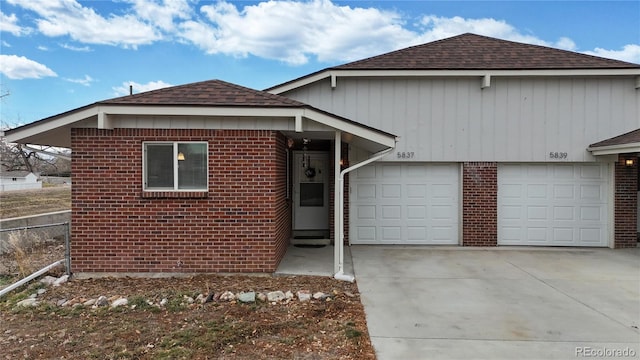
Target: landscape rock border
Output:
[(245, 297)]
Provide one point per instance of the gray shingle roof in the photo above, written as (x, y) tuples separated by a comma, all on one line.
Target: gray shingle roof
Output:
[(475, 52), (206, 93), (626, 138)]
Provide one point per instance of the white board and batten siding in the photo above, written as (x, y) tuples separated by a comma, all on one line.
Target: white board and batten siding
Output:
[(407, 204), (449, 119), (554, 204)]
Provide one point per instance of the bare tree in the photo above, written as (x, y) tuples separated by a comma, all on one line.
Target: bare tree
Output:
[(36, 159)]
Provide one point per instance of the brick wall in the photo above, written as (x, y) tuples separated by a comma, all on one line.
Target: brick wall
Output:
[(626, 203), (480, 204), (242, 224), (345, 190)]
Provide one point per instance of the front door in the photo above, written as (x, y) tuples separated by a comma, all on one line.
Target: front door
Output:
[(310, 191)]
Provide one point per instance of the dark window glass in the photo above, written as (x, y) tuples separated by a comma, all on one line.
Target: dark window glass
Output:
[(192, 169), (311, 194), (159, 165)]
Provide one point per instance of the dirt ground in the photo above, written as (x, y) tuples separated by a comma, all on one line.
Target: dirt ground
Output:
[(31, 202), (316, 329)]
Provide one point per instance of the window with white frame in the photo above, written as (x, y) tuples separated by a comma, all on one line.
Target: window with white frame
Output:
[(175, 166)]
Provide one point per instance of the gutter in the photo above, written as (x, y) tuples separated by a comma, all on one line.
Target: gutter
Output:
[(339, 247)]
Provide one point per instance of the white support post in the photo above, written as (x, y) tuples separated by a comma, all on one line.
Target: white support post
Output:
[(337, 204), (298, 125), (103, 121)]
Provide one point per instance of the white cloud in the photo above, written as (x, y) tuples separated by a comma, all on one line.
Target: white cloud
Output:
[(292, 31), (285, 30), (86, 81), (42, 48), (83, 24), (162, 13), (75, 48), (5, 44), (435, 28), (9, 23), (19, 67), (138, 88), (629, 53)]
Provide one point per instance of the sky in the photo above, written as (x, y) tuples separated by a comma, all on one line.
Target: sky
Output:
[(58, 55)]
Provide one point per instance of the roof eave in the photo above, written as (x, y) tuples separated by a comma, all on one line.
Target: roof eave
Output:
[(615, 149), (41, 129), (335, 73)]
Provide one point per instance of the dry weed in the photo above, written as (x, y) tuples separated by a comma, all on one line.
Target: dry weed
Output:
[(21, 243)]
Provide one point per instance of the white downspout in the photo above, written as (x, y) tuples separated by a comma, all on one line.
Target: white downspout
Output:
[(339, 246)]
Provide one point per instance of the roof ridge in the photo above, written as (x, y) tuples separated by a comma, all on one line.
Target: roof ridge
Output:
[(213, 92), (473, 51)]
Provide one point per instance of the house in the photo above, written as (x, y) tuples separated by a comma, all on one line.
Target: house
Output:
[(468, 141), (18, 180)]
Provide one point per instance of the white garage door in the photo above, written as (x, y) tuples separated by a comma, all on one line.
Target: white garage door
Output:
[(553, 204), (395, 203)]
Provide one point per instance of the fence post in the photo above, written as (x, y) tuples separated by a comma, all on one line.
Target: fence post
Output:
[(67, 248)]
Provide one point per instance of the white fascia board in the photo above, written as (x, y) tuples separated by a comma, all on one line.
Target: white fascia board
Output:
[(482, 73), (615, 149), (199, 111), (48, 125), (345, 126), (302, 82), (451, 73)]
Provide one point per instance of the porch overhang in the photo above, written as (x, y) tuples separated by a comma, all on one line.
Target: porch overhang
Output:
[(56, 130), (627, 143)]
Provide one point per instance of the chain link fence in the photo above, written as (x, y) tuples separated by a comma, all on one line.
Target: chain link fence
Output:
[(25, 250)]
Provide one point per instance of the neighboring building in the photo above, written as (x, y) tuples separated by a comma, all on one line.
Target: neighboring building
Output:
[(498, 143), (18, 180)]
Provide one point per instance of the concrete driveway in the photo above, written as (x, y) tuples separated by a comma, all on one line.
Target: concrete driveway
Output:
[(456, 303)]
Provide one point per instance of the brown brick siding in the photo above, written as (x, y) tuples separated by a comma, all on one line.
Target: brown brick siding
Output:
[(345, 191), (241, 225), (480, 204), (626, 202)]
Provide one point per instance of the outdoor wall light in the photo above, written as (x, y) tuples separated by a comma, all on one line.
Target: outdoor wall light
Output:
[(629, 162), (180, 156)]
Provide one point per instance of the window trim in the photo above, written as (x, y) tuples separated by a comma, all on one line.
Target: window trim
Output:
[(175, 167)]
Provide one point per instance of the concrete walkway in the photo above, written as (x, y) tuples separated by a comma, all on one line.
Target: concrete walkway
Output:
[(317, 261), (456, 303)]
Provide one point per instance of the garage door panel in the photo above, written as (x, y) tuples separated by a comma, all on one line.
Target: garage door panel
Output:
[(416, 212), (366, 212), (591, 213), (416, 233), (564, 235), (416, 191), (537, 191), (592, 172), (564, 191), (563, 205), (391, 212), (365, 232), (564, 213), (366, 191), (537, 234), (366, 172), (591, 192), (402, 203), (591, 236), (391, 171), (391, 233)]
